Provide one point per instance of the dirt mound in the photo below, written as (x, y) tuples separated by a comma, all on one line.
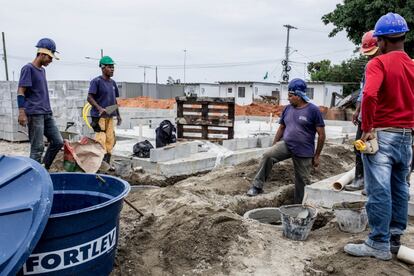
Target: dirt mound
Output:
[(195, 227), (147, 102), (254, 109)]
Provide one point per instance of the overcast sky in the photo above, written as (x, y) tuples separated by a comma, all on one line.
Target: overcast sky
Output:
[(219, 36)]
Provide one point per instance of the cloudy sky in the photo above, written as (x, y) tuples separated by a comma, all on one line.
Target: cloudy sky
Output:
[(224, 39)]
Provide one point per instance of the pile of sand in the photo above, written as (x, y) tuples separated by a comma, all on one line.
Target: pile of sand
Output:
[(195, 227)]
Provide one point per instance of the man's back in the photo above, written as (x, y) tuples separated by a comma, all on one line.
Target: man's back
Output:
[(390, 84)]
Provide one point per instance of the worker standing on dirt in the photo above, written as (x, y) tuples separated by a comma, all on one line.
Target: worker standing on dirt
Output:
[(295, 138), (103, 92), (34, 104), (370, 49), (388, 116)]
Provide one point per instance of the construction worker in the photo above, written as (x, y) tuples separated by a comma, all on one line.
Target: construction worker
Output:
[(370, 49), (388, 116), (103, 92), (295, 138), (34, 104)]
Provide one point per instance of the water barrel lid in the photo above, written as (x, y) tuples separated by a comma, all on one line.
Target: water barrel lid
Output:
[(26, 195)]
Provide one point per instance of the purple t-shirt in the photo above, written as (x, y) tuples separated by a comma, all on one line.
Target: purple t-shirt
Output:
[(37, 94), (301, 124), (104, 92)]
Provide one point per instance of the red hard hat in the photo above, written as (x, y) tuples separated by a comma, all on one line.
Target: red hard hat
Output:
[(369, 44)]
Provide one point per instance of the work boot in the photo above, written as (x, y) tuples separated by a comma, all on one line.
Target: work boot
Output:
[(358, 183), (363, 250), (395, 243), (107, 158), (254, 191)]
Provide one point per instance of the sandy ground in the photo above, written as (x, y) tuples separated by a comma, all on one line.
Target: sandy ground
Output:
[(195, 227)]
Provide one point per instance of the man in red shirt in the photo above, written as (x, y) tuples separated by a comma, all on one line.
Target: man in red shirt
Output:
[(388, 116)]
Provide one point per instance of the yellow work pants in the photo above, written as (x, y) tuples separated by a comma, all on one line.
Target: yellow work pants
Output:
[(106, 137)]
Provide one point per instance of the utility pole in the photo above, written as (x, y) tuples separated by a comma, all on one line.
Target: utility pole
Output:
[(101, 53), (145, 72), (5, 56), (285, 62), (185, 57), (156, 74)]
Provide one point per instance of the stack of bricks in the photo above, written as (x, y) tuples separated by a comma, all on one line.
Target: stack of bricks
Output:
[(67, 99)]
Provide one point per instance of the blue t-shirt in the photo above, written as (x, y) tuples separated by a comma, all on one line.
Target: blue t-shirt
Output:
[(301, 124), (37, 93), (104, 92)]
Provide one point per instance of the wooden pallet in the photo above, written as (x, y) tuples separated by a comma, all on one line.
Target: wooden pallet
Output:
[(205, 118)]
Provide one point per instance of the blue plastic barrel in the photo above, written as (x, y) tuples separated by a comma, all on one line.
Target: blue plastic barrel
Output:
[(81, 234)]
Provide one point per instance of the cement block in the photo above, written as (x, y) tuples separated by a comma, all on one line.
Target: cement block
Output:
[(242, 143), (252, 142), (264, 141), (162, 154), (182, 150), (230, 144)]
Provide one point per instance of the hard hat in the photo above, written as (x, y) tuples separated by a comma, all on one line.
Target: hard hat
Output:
[(47, 46), (106, 60), (369, 44), (298, 87), (391, 24)]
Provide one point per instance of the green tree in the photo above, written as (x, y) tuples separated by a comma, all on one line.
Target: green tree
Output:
[(359, 16), (349, 72)]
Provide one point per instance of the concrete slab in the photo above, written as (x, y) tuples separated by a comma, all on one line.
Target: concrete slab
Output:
[(321, 194)]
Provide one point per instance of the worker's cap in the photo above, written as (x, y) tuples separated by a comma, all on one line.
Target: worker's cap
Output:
[(298, 87), (47, 46)]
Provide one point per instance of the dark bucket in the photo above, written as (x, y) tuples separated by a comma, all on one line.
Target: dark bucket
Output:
[(82, 231), (295, 226)]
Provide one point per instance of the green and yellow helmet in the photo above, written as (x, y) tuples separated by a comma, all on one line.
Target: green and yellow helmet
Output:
[(106, 60)]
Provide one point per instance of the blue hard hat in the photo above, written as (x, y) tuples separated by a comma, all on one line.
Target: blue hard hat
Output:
[(391, 24), (298, 87), (47, 43)]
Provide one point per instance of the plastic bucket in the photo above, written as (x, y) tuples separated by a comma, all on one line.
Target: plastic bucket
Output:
[(296, 225), (82, 231), (351, 216)]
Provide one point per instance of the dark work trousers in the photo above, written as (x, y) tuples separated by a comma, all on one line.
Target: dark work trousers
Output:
[(280, 152), (39, 125), (359, 166)]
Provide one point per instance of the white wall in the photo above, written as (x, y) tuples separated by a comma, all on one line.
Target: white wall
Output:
[(264, 89), (248, 99), (203, 90), (322, 93)]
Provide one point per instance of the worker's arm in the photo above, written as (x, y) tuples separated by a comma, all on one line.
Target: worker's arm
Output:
[(319, 146), (356, 113), (22, 119), (279, 133), (92, 101), (374, 76)]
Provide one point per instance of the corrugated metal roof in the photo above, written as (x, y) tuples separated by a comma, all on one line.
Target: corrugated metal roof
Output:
[(247, 82)]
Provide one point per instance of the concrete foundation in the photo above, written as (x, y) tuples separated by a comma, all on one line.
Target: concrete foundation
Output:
[(321, 194)]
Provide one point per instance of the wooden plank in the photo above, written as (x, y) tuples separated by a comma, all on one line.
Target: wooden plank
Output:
[(218, 110), (179, 131), (196, 120), (187, 109), (209, 131), (198, 100)]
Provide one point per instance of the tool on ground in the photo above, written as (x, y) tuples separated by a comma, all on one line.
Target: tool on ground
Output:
[(126, 201)]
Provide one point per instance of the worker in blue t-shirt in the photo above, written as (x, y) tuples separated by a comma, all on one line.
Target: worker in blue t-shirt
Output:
[(295, 139), (34, 104), (103, 92)]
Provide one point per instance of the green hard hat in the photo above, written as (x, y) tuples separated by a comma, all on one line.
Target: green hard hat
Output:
[(106, 60)]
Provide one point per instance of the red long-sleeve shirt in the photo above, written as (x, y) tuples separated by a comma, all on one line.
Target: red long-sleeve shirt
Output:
[(388, 99)]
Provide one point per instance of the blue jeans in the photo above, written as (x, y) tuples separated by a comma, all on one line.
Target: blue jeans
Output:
[(385, 174), (39, 125)]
